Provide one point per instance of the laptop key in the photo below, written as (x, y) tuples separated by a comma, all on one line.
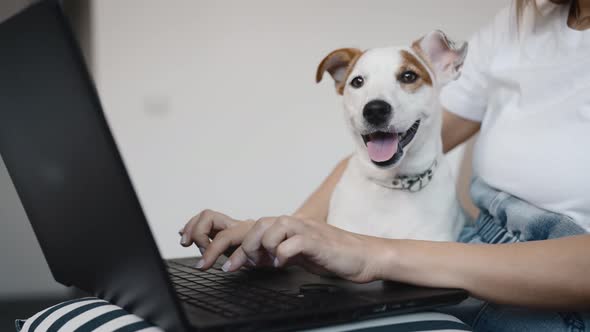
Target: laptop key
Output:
[(229, 295)]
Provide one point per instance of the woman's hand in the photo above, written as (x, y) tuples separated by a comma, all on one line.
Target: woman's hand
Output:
[(214, 234), (316, 246)]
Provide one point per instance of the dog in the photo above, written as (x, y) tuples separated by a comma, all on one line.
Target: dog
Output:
[(397, 183)]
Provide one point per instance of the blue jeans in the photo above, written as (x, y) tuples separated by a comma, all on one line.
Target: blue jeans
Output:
[(504, 218)]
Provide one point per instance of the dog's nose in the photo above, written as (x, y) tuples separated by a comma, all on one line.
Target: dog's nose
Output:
[(377, 112)]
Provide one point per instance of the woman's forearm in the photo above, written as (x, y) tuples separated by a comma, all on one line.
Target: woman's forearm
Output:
[(318, 203), (456, 130), (551, 274)]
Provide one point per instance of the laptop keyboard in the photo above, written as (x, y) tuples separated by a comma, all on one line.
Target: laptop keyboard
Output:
[(227, 294)]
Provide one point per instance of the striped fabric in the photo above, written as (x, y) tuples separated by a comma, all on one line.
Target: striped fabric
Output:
[(84, 315), (92, 314), (416, 322)]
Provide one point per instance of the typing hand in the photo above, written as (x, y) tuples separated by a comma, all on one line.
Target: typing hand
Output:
[(214, 234), (316, 246)]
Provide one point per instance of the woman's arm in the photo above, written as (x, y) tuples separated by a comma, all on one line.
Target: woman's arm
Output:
[(456, 130), (550, 274), (316, 206)]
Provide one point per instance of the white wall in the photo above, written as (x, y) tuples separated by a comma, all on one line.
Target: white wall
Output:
[(214, 105)]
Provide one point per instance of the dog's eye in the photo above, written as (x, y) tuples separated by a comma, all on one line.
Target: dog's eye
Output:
[(408, 77), (357, 82)]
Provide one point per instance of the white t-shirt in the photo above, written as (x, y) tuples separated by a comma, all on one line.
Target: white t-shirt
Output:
[(530, 89)]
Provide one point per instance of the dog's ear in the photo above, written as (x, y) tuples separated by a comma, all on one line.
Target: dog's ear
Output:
[(337, 63), (443, 56)]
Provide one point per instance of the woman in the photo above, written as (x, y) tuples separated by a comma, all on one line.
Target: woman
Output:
[(525, 86)]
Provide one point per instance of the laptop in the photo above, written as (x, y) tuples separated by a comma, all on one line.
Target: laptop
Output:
[(73, 184)]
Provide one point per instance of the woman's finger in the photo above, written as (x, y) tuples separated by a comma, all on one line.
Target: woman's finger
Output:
[(222, 241), (210, 222), (204, 226), (236, 261), (283, 228), (252, 242), (288, 249), (185, 239)]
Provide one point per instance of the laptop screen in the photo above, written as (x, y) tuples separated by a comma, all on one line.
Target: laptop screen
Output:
[(65, 166)]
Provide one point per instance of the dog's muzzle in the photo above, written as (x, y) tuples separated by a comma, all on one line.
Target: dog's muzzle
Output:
[(386, 148), (377, 113)]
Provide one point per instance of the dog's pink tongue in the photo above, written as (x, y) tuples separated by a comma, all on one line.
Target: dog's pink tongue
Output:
[(382, 148)]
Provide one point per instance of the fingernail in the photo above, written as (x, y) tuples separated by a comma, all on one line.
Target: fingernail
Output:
[(200, 264), (275, 262), (184, 239), (202, 250), (226, 266)]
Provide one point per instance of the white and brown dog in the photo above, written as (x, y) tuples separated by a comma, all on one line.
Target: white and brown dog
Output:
[(397, 183)]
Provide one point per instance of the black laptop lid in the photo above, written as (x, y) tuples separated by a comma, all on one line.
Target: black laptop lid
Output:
[(68, 173)]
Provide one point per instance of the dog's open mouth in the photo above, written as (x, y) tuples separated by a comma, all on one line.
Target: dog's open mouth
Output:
[(387, 148)]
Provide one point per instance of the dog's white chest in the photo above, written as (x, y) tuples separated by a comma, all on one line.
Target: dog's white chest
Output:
[(362, 206)]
